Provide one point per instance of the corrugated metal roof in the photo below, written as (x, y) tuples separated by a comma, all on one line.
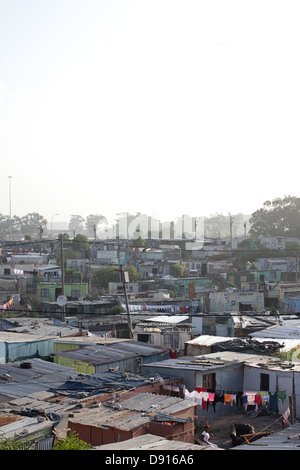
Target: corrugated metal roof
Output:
[(125, 420), (42, 376), (139, 348), (201, 363), (257, 360), (278, 331), (151, 442), (287, 439), (24, 426), (150, 402), (133, 412), (96, 354), (31, 330)]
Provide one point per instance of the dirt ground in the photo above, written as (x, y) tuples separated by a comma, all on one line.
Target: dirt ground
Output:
[(220, 427)]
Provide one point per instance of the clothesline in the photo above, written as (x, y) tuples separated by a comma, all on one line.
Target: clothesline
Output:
[(7, 305), (203, 398)]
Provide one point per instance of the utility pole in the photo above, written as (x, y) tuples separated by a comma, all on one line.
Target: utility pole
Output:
[(245, 227), (90, 271), (62, 273), (125, 280), (41, 233), (230, 222), (9, 180)]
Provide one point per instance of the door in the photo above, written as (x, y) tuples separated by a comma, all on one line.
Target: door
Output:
[(285, 383)]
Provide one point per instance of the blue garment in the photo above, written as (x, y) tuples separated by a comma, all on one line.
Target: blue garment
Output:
[(273, 402)]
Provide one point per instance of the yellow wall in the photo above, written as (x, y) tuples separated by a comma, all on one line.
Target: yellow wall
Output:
[(79, 366)]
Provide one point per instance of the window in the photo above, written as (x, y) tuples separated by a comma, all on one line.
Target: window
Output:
[(171, 340), (264, 382), (209, 381), (44, 292), (75, 293), (144, 338)]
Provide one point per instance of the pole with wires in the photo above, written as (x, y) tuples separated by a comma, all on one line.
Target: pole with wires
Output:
[(125, 280)]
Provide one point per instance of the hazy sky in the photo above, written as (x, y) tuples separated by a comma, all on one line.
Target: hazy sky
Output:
[(165, 107)]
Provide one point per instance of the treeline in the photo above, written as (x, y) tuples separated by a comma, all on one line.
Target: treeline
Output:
[(279, 217)]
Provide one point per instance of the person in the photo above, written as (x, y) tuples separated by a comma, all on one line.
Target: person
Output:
[(206, 436)]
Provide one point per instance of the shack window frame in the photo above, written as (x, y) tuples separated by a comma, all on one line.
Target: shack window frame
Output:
[(209, 381)]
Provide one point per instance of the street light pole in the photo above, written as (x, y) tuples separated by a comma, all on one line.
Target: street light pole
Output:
[(51, 223), (124, 282), (9, 180)]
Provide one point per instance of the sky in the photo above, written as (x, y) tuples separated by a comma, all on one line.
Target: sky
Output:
[(164, 107)]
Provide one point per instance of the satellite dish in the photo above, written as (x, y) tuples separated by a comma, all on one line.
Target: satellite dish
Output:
[(61, 300)]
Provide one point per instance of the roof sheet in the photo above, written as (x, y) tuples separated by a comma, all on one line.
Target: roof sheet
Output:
[(103, 382), (125, 420), (287, 439), (97, 354), (17, 382), (23, 426), (173, 319), (150, 402), (152, 442), (279, 331)]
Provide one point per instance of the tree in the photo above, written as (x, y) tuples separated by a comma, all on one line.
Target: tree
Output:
[(133, 273), (280, 217), (30, 223), (76, 223), (177, 270), (102, 276), (92, 221), (80, 243), (71, 442), (15, 443)]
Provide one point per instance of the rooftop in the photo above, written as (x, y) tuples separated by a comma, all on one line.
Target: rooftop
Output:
[(151, 442), (130, 413), (287, 439), (224, 359)]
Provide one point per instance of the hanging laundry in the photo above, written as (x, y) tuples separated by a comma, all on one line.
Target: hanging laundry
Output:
[(211, 396), (189, 395), (264, 397), (239, 398), (198, 397), (250, 400), (273, 402), (258, 399), (201, 389), (282, 395), (285, 418), (219, 396), (227, 399)]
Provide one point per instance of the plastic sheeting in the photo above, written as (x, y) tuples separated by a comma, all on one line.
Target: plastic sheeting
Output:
[(247, 345), (100, 383)]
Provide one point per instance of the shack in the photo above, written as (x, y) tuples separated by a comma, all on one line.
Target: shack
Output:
[(165, 330), (203, 374), (127, 356), (126, 418)]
